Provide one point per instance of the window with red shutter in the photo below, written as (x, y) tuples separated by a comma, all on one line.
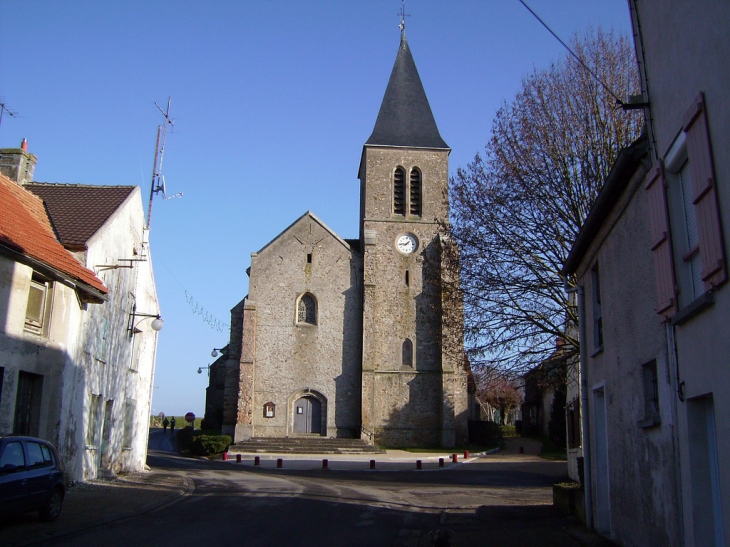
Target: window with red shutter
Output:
[(704, 196), (661, 243)]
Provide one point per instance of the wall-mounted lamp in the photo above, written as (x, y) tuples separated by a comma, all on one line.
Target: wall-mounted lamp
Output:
[(156, 324), (215, 351), (200, 370)]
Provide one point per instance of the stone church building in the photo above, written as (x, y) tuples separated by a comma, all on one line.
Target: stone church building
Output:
[(352, 337)]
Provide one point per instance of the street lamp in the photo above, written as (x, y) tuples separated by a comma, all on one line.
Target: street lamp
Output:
[(156, 324), (215, 351), (200, 369)]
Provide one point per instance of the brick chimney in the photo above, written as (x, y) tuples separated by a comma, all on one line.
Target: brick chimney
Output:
[(17, 163)]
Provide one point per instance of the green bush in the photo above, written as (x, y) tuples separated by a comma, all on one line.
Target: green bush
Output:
[(207, 445), (484, 433)]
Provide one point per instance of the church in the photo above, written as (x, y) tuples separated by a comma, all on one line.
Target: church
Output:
[(353, 338)]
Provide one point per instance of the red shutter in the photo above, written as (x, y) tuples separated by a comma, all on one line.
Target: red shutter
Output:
[(661, 243), (699, 153)]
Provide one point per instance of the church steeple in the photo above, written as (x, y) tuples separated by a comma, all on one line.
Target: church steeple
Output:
[(405, 118)]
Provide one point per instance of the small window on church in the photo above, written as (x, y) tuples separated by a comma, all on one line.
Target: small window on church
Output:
[(269, 410), (408, 280), (307, 310), (399, 191), (309, 258), (415, 192), (408, 353)]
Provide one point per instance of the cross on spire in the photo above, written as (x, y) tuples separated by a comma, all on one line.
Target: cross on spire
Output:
[(403, 15)]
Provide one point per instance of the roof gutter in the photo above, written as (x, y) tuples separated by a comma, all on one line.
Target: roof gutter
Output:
[(92, 294)]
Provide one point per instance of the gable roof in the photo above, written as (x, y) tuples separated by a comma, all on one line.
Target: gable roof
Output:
[(312, 216), (405, 117), (25, 229), (79, 210)]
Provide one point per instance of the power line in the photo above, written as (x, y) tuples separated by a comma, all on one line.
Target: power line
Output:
[(595, 77)]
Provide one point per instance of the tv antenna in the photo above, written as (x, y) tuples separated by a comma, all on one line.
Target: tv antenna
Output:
[(158, 179), (4, 108)]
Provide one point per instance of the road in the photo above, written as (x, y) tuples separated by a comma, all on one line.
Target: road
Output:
[(495, 500)]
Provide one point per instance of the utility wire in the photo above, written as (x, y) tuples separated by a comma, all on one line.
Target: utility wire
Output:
[(618, 101)]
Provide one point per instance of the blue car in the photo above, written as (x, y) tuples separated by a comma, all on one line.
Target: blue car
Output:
[(31, 478)]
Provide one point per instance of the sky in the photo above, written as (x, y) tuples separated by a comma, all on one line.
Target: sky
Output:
[(272, 102)]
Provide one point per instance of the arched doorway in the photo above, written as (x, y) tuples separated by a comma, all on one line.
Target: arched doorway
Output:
[(307, 415)]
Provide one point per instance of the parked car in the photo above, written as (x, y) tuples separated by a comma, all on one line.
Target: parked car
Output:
[(31, 478)]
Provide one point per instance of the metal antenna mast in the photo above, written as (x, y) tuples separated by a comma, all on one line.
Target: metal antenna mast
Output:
[(4, 108), (158, 181), (403, 16)]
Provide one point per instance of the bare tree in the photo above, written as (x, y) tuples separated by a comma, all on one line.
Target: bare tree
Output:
[(516, 210), (504, 395)]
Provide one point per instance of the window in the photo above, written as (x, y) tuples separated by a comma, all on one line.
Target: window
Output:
[(407, 194), (307, 310), (684, 198), (408, 280), (269, 410), (129, 408), (415, 192), (597, 314), (407, 353), (573, 417), (12, 456), (37, 308), (37, 456), (92, 431), (399, 191), (651, 395)]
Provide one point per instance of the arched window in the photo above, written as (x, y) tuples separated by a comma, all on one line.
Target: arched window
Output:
[(408, 353), (415, 192), (399, 191), (307, 310)]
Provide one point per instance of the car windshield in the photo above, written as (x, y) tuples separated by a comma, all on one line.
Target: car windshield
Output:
[(12, 456)]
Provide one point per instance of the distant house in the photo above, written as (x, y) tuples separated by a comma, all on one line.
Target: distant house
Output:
[(77, 292), (541, 384), (651, 265)]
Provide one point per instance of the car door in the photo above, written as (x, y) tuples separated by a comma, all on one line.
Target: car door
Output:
[(39, 473), (13, 480)]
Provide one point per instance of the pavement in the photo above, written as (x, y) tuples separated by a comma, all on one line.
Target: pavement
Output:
[(99, 502)]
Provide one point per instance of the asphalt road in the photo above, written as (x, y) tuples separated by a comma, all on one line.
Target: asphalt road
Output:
[(492, 501)]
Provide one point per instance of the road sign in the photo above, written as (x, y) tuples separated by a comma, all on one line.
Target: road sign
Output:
[(190, 417)]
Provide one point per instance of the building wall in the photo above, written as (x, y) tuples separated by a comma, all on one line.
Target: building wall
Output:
[(110, 362), (291, 358), (636, 502), (685, 47)]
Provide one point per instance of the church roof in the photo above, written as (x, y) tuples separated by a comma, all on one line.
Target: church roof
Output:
[(405, 117)]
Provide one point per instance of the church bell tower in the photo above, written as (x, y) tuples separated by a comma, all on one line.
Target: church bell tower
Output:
[(414, 386)]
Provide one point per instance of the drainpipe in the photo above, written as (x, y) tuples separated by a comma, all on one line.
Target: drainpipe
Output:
[(587, 487)]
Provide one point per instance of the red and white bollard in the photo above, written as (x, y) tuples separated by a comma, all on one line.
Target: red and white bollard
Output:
[(466, 454), (441, 462), (225, 456), (454, 458), (372, 464), (522, 450), (325, 464), (257, 460), (279, 463), (418, 464), (238, 458)]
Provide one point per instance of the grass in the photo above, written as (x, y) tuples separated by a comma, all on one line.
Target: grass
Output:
[(509, 431)]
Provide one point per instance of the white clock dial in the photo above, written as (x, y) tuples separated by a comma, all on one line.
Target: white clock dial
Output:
[(406, 243)]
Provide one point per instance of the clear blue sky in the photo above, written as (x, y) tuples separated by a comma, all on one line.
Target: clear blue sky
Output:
[(272, 102)]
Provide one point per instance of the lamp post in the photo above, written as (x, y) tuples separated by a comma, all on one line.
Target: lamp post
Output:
[(215, 351), (200, 369), (156, 324)]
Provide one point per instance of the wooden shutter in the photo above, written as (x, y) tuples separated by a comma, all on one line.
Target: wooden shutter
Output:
[(699, 153), (661, 243), (399, 191)]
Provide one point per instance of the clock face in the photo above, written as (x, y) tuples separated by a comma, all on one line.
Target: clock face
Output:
[(406, 243)]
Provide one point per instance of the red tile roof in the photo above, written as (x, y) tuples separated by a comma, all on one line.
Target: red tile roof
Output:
[(79, 210), (25, 228)]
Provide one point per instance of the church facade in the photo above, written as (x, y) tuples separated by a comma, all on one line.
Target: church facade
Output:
[(354, 337)]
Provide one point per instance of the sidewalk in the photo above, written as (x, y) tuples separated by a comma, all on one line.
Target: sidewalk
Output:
[(95, 503)]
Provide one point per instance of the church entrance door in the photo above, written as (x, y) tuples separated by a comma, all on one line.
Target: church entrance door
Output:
[(307, 415)]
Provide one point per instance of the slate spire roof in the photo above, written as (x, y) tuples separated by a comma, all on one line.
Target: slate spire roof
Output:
[(405, 117)]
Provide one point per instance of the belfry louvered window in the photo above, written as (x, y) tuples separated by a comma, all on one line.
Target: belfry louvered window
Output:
[(307, 310), (399, 191), (415, 192)]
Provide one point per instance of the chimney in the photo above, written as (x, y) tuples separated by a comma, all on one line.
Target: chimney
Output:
[(17, 163)]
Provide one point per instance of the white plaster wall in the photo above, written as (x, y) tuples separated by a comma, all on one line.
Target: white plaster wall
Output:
[(686, 47)]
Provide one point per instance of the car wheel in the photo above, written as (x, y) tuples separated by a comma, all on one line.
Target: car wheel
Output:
[(50, 511)]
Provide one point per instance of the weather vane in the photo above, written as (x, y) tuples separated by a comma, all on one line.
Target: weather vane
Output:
[(403, 16)]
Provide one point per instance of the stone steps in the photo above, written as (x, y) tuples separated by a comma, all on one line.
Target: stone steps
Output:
[(303, 445)]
